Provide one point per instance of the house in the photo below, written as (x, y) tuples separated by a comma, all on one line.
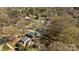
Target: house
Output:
[(23, 41), (37, 34), (33, 34), (27, 39), (27, 18), (3, 40)]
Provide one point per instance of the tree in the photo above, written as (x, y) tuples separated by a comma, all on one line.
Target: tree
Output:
[(5, 48), (56, 27), (69, 35)]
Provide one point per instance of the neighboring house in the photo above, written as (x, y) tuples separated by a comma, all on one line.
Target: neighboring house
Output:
[(30, 34), (25, 40), (37, 34), (33, 34), (26, 17), (3, 40)]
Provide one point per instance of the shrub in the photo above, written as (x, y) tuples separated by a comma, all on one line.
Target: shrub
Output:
[(56, 27), (5, 48), (70, 35)]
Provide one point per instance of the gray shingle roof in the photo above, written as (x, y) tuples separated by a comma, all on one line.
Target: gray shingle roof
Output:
[(32, 34), (2, 41), (25, 39)]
